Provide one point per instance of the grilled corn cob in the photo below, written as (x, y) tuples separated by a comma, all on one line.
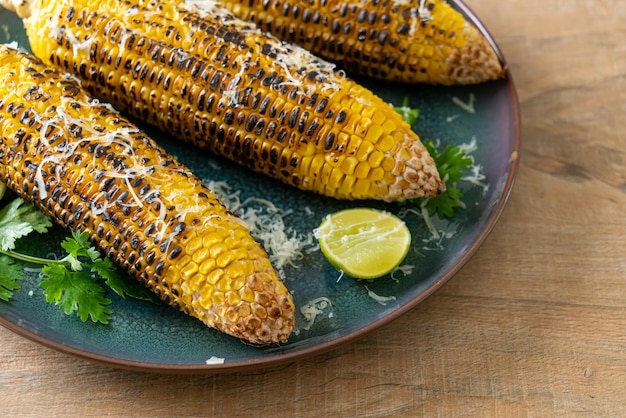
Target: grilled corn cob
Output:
[(91, 170), (207, 77), (398, 40)]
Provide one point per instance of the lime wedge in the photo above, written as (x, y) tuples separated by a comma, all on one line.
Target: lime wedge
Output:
[(364, 243)]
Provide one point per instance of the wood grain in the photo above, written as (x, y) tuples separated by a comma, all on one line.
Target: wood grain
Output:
[(534, 325)]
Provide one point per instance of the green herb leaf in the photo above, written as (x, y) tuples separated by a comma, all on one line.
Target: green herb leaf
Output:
[(17, 220), (122, 287), (10, 275), (450, 163), (79, 246), (73, 282), (76, 291), (408, 113)]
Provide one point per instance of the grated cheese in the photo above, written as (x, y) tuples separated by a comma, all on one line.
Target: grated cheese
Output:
[(294, 61), (314, 308), (383, 300), (215, 360), (405, 269), (467, 106), (57, 155), (266, 222)]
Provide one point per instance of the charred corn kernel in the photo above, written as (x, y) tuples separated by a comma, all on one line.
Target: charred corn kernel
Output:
[(245, 311), (197, 72), (402, 40), (90, 169)]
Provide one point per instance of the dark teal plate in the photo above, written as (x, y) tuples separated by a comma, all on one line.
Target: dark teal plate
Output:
[(144, 336)]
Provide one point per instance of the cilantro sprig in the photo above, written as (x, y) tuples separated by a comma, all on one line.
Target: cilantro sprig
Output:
[(451, 163), (76, 283), (408, 113)]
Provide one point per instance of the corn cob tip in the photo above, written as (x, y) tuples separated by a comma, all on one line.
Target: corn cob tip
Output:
[(268, 319), (475, 62), (416, 172)]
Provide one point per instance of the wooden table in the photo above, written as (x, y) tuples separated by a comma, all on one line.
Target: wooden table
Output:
[(533, 325)]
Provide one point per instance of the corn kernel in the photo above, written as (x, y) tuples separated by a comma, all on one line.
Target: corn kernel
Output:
[(214, 276), (361, 187), (374, 133), (376, 159), (200, 255), (218, 299), (206, 266), (247, 295), (336, 177), (224, 285), (188, 271), (377, 174), (259, 311), (234, 270), (244, 310), (225, 259), (347, 185), (232, 314), (239, 282), (233, 299), (217, 250), (349, 164), (210, 240), (362, 170), (385, 143)]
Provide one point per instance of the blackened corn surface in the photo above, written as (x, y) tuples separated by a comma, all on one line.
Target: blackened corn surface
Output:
[(91, 170), (399, 40), (209, 78)]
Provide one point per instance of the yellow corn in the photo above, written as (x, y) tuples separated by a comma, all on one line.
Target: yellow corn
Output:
[(207, 77), (398, 40), (91, 170)]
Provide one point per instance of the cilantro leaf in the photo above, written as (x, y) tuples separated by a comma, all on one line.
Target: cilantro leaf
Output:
[(75, 282), (76, 291), (113, 278), (17, 220), (10, 275), (79, 246), (408, 113), (450, 163)]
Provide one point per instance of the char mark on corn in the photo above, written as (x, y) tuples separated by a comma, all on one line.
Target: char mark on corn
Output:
[(401, 40), (90, 169), (199, 73)]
